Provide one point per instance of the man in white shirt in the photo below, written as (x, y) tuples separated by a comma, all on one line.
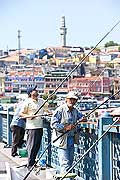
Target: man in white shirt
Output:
[(34, 125)]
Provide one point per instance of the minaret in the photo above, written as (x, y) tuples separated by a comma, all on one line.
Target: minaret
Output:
[(19, 36), (63, 31)]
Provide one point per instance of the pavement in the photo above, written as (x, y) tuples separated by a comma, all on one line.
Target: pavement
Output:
[(14, 162)]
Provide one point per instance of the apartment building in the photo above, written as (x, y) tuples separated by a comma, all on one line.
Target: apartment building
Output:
[(18, 81), (90, 85), (53, 79)]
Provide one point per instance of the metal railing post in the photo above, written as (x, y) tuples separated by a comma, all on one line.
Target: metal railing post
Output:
[(104, 149), (8, 128)]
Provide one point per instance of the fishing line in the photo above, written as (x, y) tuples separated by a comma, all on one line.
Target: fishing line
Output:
[(61, 84), (94, 82), (90, 148), (69, 74), (78, 122)]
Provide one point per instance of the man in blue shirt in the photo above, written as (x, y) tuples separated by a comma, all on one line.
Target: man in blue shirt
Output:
[(63, 119), (18, 130)]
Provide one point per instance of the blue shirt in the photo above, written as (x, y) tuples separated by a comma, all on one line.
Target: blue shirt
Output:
[(63, 116), (17, 121)]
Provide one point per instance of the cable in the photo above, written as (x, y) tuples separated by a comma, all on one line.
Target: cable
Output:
[(78, 122), (90, 148), (58, 88), (103, 103), (83, 59)]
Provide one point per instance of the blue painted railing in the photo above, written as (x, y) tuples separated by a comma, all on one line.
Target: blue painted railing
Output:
[(5, 120), (102, 162)]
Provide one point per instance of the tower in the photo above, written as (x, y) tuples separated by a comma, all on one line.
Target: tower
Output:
[(63, 31), (19, 36)]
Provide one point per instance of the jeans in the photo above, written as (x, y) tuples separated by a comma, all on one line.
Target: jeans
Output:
[(66, 157)]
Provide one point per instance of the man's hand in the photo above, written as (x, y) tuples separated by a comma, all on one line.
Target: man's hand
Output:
[(84, 119), (31, 117), (69, 127), (115, 112)]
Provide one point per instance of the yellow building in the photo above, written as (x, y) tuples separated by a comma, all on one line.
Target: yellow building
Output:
[(92, 59)]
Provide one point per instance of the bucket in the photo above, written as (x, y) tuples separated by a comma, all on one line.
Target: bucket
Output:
[(23, 152)]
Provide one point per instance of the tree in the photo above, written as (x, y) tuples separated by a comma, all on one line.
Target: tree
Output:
[(110, 65), (97, 49), (119, 48), (45, 96), (111, 43), (54, 97)]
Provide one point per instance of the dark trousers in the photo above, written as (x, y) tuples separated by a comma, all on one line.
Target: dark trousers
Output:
[(17, 138), (34, 137)]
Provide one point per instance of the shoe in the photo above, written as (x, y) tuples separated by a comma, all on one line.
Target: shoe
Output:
[(15, 154), (29, 167)]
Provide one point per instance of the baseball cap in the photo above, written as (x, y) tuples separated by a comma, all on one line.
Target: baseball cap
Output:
[(72, 94), (29, 90)]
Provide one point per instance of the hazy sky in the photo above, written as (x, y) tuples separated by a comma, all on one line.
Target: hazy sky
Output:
[(87, 21)]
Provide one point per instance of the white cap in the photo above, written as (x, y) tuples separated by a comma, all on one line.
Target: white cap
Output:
[(72, 94)]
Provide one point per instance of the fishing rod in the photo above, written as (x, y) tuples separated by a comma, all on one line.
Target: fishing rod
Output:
[(71, 168), (41, 115), (83, 59), (77, 123), (102, 103), (86, 116), (94, 82)]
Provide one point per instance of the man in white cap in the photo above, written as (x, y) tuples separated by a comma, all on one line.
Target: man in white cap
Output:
[(63, 119)]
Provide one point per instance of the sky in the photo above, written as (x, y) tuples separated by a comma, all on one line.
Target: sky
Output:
[(87, 21)]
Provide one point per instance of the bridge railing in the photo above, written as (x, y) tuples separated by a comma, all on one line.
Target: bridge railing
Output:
[(102, 162), (5, 132)]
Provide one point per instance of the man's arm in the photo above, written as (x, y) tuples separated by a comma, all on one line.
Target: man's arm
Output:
[(115, 112), (23, 115), (56, 121)]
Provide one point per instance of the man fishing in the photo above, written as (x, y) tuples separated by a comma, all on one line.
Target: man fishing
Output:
[(64, 119)]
